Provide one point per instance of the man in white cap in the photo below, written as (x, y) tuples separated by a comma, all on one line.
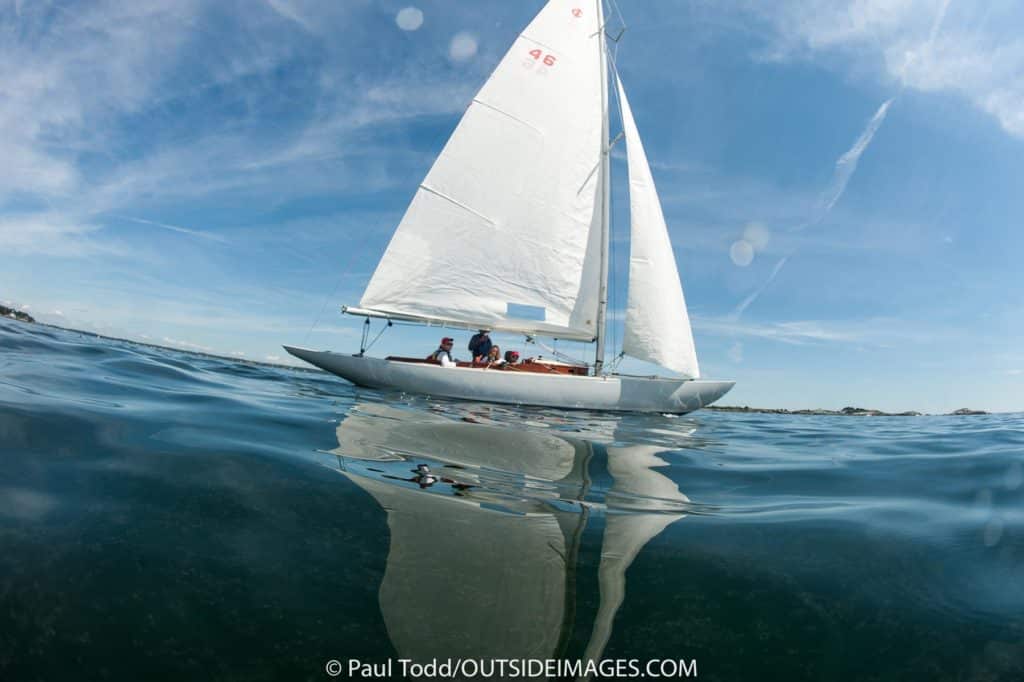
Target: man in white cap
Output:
[(480, 345)]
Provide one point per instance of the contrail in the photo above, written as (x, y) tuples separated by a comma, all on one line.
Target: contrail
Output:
[(753, 297), (846, 165), (288, 12), (175, 228), (940, 16)]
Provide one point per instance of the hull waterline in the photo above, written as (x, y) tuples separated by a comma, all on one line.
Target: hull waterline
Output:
[(612, 392)]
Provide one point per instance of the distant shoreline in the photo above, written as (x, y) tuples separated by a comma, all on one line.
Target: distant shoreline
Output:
[(234, 358), (845, 412)]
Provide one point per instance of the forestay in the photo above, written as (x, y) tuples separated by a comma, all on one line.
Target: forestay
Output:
[(657, 326), (501, 230)]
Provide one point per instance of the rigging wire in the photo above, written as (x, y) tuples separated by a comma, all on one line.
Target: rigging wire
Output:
[(622, 19), (557, 354), (382, 330), (366, 334), (323, 307), (356, 249)]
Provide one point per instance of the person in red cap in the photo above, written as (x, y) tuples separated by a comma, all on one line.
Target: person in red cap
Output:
[(443, 354)]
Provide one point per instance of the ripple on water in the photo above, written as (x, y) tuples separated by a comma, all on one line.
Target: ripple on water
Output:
[(167, 491)]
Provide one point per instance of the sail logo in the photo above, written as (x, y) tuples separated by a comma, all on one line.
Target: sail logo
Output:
[(549, 59)]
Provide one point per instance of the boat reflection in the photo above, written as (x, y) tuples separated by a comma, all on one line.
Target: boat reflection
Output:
[(487, 525)]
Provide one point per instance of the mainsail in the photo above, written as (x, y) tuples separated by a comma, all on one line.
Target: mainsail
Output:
[(504, 230), (657, 327)]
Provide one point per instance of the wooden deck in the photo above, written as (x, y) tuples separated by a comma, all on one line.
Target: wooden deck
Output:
[(528, 365)]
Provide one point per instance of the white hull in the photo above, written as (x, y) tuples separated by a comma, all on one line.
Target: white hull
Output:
[(614, 392)]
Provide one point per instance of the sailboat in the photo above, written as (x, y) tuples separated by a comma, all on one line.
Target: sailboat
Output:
[(509, 232)]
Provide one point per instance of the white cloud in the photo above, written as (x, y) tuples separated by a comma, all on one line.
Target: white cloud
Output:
[(72, 80), (350, 108), (973, 49), (798, 332), (54, 234), (57, 93), (878, 332)]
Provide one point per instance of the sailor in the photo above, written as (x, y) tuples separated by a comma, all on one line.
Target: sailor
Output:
[(511, 358), (443, 354), (494, 357), (480, 345)]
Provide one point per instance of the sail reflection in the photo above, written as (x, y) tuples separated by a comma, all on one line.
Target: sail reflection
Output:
[(487, 524)]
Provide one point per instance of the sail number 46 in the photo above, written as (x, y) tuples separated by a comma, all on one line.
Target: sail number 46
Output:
[(549, 59)]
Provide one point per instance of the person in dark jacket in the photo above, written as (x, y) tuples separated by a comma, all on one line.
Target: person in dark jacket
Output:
[(480, 346)]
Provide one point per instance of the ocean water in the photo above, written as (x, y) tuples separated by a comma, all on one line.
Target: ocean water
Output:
[(170, 516)]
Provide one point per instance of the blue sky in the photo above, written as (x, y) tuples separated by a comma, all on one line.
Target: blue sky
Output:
[(221, 175)]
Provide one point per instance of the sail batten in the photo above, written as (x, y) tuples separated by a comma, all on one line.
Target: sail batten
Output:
[(657, 325), (504, 218), (502, 111), (427, 188)]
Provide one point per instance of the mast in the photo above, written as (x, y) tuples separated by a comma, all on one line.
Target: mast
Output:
[(605, 199)]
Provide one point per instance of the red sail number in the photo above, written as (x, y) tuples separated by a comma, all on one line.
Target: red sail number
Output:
[(577, 12), (549, 59)]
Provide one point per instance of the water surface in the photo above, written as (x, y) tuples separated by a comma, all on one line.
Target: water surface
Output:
[(170, 516)]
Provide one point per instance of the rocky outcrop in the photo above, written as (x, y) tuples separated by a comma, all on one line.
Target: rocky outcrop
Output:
[(16, 314), (845, 412), (967, 411)]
